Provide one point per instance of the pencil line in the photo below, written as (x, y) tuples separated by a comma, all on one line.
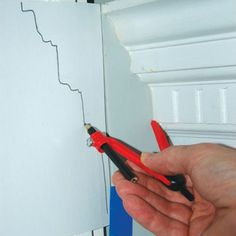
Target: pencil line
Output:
[(66, 84), (105, 183), (106, 127), (58, 61)]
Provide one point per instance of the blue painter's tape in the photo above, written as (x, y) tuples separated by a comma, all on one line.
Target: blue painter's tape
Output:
[(120, 221)]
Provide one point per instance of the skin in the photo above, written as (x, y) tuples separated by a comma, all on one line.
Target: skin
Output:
[(210, 170)]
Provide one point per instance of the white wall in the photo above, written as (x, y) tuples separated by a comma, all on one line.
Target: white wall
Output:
[(128, 100), (185, 53)]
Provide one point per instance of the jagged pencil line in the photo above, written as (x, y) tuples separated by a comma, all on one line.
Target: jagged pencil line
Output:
[(64, 83), (57, 55)]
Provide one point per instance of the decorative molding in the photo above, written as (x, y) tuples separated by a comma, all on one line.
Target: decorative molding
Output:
[(220, 54), (186, 52), (192, 106), (215, 131), (148, 24), (214, 75), (165, 35)]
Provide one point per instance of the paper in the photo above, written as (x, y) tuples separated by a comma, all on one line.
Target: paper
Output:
[(51, 183)]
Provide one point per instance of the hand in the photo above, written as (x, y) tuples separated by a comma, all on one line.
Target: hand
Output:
[(210, 171)]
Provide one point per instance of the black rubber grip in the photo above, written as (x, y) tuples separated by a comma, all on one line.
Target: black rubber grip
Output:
[(123, 168), (178, 183)]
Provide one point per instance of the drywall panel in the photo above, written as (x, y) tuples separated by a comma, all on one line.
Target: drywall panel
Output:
[(51, 82)]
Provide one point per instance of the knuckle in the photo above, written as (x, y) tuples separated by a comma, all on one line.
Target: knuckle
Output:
[(123, 188)]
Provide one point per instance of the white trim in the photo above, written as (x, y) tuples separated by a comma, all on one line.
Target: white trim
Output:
[(224, 131), (213, 75), (123, 4), (181, 42), (160, 22), (180, 48), (185, 57), (164, 35)]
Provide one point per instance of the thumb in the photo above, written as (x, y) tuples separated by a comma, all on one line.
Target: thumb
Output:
[(173, 160)]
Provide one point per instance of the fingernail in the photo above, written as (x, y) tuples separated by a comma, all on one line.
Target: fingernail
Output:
[(144, 156)]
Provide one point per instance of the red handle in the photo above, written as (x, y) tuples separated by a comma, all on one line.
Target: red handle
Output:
[(99, 139), (161, 137)]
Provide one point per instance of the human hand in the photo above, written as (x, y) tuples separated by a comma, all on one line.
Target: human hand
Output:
[(210, 171)]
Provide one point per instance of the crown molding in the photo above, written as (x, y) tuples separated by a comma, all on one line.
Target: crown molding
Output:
[(214, 75), (158, 22), (185, 52), (164, 35), (215, 131)]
